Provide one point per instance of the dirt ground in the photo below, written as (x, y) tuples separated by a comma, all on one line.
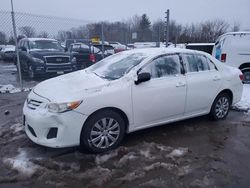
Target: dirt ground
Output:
[(192, 153)]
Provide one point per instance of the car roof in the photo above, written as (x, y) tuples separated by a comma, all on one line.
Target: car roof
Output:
[(39, 39), (162, 50), (200, 44), (235, 33)]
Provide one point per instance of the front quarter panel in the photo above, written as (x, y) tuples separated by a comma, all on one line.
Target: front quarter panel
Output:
[(116, 94)]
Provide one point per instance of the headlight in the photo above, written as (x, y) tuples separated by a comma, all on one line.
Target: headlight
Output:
[(37, 60), (63, 107), (73, 59)]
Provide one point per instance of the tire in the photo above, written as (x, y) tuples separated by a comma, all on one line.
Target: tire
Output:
[(246, 73), (31, 72), (103, 131), (220, 107)]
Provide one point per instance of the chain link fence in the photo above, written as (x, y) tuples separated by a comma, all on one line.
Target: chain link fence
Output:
[(31, 25)]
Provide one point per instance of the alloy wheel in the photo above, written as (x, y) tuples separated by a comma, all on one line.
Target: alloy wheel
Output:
[(105, 133), (222, 107)]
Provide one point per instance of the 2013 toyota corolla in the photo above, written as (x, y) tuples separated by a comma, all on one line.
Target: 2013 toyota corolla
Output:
[(126, 92)]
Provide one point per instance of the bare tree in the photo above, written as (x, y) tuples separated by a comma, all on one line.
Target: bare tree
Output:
[(236, 26), (207, 31), (62, 35), (43, 34), (27, 31), (80, 32), (3, 38)]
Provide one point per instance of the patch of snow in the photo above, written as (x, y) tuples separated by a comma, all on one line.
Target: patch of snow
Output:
[(179, 152), (11, 89), (125, 159), (22, 164), (145, 153), (17, 127), (100, 159), (98, 175), (182, 171), (244, 103), (164, 148), (133, 175), (157, 165)]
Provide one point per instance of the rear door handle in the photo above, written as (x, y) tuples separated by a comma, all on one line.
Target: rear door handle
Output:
[(180, 84)]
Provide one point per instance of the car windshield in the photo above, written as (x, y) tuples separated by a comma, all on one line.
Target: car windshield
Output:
[(45, 45), (116, 66)]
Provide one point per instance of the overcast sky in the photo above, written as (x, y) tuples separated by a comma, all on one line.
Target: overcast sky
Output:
[(183, 11)]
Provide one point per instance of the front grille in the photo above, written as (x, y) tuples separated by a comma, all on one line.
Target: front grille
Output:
[(33, 104), (55, 60)]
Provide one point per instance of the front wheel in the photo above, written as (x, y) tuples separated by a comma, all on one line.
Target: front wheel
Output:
[(103, 131), (31, 72), (220, 107)]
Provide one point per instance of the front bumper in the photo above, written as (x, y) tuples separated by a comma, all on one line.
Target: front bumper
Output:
[(52, 129)]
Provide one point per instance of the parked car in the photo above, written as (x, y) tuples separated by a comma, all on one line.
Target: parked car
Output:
[(68, 42), (126, 92), (234, 49), (39, 56), (108, 49), (118, 47), (7, 53), (85, 55), (205, 47)]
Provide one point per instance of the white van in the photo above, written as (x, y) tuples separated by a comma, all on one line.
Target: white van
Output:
[(234, 49)]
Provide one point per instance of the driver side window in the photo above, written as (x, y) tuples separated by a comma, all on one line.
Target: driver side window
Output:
[(164, 66)]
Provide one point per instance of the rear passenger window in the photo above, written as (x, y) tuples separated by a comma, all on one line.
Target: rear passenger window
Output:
[(196, 63)]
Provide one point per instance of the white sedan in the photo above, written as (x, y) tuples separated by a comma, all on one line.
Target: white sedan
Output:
[(126, 92)]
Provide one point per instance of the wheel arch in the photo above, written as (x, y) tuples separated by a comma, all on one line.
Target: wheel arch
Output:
[(244, 66), (227, 91), (119, 111)]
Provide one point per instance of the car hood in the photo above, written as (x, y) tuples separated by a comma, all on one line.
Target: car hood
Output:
[(70, 87)]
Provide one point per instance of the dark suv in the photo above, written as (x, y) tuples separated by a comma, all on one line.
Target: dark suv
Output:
[(39, 56)]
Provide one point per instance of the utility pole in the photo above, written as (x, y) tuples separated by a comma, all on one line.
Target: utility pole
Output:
[(167, 27), (17, 50)]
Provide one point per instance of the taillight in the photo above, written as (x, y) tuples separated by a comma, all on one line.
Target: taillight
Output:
[(241, 77), (223, 57), (92, 58)]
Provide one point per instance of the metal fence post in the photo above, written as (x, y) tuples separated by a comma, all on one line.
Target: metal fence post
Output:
[(167, 27), (102, 41), (17, 50)]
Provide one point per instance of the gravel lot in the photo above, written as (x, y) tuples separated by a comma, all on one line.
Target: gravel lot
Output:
[(192, 153)]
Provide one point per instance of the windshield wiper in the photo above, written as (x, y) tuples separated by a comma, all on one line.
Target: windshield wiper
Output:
[(105, 77)]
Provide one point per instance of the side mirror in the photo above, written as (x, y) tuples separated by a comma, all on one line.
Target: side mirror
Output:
[(143, 77)]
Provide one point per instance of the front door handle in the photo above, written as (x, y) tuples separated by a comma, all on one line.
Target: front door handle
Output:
[(180, 84), (216, 78)]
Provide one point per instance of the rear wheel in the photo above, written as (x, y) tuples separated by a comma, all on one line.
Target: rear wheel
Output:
[(246, 73), (220, 107), (103, 131)]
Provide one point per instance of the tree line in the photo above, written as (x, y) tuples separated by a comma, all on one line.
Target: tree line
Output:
[(140, 27)]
